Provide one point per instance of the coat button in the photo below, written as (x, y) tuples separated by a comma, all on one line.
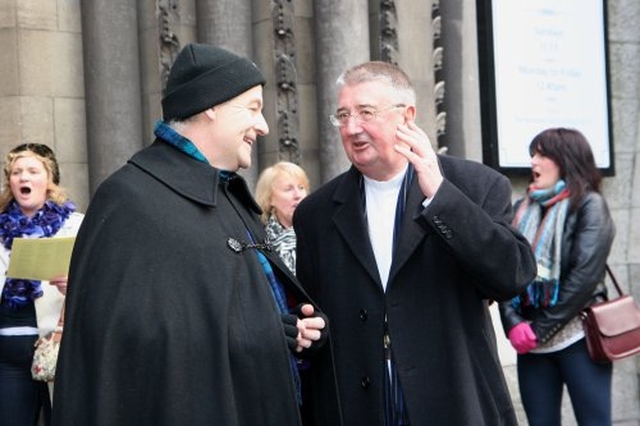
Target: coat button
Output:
[(365, 382), (363, 314)]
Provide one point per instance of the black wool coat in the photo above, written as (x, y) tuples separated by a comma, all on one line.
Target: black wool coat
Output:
[(452, 258), (166, 324)]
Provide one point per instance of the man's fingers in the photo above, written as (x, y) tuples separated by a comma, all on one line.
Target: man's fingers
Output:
[(314, 323)]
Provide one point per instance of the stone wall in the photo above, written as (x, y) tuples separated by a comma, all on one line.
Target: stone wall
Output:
[(41, 84)]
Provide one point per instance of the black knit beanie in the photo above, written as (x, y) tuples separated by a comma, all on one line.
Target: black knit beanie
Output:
[(203, 76)]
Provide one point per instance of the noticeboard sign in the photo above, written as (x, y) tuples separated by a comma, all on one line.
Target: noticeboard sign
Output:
[(543, 64)]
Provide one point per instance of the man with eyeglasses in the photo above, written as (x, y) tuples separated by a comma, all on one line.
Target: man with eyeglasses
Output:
[(403, 252)]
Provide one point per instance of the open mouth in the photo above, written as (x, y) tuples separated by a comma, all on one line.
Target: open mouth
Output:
[(25, 190)]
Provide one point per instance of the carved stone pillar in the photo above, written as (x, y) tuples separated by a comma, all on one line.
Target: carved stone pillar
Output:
[(342, 40), (168, 15), (286, 82), (414, 26), (112, 85), (389, 47), (437, 60)]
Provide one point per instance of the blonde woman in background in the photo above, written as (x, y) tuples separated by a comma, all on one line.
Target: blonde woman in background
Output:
[(279, 190), (32, 205)]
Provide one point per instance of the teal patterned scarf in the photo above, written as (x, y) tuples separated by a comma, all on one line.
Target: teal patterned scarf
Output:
[(540, 218)]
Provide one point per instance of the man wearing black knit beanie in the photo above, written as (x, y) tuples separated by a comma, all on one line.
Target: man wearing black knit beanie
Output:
[(176, 302)]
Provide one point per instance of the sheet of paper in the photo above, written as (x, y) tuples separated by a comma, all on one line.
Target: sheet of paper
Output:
[(40, 258)]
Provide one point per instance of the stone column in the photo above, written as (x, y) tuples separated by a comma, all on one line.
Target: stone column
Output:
[(342, 40), (227, 23), (112, 85), (460, 70)]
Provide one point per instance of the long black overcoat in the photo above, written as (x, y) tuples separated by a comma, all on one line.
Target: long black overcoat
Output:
[(166, 324), (452, 258)]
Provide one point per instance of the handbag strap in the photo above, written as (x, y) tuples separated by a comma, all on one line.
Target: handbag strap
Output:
[(60, 325), (615, 282)]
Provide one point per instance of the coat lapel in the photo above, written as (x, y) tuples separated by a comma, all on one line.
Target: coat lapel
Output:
[(349, 220), (411, 233)]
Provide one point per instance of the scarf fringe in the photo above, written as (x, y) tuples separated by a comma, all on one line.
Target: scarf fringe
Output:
[(538, 294)]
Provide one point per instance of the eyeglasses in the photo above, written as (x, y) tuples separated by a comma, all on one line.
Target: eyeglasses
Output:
[(364, 115)]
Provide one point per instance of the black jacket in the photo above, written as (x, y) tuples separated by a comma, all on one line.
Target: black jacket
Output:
[(166, 324), (586, 243), (450, 259)]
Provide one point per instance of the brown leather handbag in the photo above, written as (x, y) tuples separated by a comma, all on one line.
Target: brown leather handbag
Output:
[(612, 328)]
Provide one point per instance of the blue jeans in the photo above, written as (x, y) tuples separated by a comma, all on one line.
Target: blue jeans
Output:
[(541, 378)]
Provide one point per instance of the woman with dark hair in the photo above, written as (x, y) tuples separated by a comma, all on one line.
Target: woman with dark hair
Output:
[(567, 222), (32, 205)]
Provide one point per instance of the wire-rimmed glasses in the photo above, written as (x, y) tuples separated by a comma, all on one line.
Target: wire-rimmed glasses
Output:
[(340, 119)]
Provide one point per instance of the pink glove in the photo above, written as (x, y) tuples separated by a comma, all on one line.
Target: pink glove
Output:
[(522, 338)]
